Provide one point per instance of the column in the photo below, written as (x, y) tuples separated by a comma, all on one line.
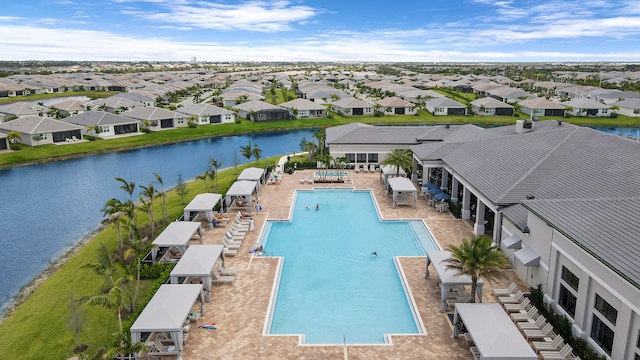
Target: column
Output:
[(478, 227), (497, 227), (466, 201), (454, 190), (445, 180)]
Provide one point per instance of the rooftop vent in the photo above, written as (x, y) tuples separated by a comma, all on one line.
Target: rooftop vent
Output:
[(524, 126), (559, 122), (530, 197)]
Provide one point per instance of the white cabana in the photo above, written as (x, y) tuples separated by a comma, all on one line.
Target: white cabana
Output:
[(254, 174), (241, 190), (198, 261), (448, 278), (167, 311), (387, 171), (177, 234), (493, 332), (203, 203), (403, 192)]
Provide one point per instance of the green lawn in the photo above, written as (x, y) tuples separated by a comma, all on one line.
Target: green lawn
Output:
[(39, 329), (97, 94)]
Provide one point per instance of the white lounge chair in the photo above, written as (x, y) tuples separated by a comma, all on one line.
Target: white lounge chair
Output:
[(512, 299), (546, 331), (229, 252), (356, 169), (504, 292), (234, 237), (524, 305), (229, 245), (221, 279), (465, 299), (554, 345), (157, 348), (522, 315), (538, 324), (226, 271), (302, 179), (475, 353), (564, 353), (310, 179)]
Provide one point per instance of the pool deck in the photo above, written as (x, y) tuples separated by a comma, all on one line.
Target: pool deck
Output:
[(240, 309)]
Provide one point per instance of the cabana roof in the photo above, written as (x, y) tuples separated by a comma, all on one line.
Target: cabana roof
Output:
[(391, 170), (401, 184), (198, 260), (177, 233), (241, 188), (252, 174), (168, 308), (202, 203), (448, 277)]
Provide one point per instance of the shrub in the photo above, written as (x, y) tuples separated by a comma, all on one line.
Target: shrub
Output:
[(455, 209), (192, 125)]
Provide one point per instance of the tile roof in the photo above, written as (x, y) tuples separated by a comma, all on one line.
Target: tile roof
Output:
[(37, 124)]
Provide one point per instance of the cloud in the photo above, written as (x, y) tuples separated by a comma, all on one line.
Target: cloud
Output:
[(257, 16)]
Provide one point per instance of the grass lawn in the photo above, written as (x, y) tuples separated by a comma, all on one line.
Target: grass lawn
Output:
[(39, 328), (34, 97)]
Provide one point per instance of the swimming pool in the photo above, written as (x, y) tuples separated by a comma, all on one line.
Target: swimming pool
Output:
[(331, 287), (333, 174)]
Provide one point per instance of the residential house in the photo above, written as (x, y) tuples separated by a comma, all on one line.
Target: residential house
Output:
[(351, 106), (541, 107), (231, 98), (69, 107), (4, 142), (586, 107), (113, 104), (40, 130), (156, 118), (445, 106), (509, 95), (260, 111), (104, 125), (303, 109), (21, 108), (490, 106), (208, 114), (629, 107), (138, 97), (397, 106)]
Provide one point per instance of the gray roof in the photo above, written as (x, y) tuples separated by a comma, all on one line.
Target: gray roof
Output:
[(302, 104), (251, 174), (603, 226), (444, 102), (541, 103), (151, 113), (134, 96), (351, 102), (37, 125), (203, 109), (198, 260), (97, 118), (490, 102), (257, 105), (629, 104), (401, 184), (585, 104), (516, 214), (241, 188), (168, 308)]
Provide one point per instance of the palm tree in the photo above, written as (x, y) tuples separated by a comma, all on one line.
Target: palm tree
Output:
[(215, 164), (105, 266), (477, 258), (247, 150), (114, 299), (401, 159), (13, 135), (149, 192), (257, 152), (113, 210), (163, 196), (136, 250), (320, 136)]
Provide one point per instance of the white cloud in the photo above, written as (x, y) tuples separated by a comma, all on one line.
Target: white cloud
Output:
[(258, 16)]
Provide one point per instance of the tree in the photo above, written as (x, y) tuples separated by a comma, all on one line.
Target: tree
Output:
[(128, 207), (137, 249), (181, 187), (401, 159), (308, 146), (320, 136), (114, 299), (13, 135), (257, 152), (163, 196), (113, 209), (105, 266), (204, 177), (247, 150), (340, 163), (477, 258), (149, 193), (215, 164)]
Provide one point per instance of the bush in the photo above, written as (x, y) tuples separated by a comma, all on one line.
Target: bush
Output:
[(155, 271), (145, 130), (455, 209), (192, 125)]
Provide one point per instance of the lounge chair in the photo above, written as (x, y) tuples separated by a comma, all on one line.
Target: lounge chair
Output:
[(512, 299), (465, 299), (219, 279), (530, 315), (504, 292), (229, 245), (226, 271), (158, 349), (546, 331), (475, 353), (554, 345), (524, 305), (310, 179), (302, 179), (538, 324), (234, 237), (236, 229), (564, 353), (356, 169), (229, 252)]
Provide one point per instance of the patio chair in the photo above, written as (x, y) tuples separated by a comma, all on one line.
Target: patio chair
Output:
[(158, 349), (234, 237), (465, 299), (512, 299), (230, 246), (310, 179), (356, 169), (302, 179), (564, 353), (554, 345), (475, 353), (226, 271), (219, 279), (545, 332), (229, 252), (503, 292), (538, 324), (524, 305), (530, 315), (236, 229)]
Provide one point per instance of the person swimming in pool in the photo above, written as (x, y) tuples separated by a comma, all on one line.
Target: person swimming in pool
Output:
[(375, 253)]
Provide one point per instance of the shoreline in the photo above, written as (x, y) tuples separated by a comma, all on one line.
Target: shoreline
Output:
[(32, 285)]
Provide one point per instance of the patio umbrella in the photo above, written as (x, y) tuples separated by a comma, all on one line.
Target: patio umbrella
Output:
[(430, 185), (442, 196), (434, 191)]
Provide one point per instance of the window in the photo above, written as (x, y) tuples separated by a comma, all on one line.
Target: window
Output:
[(439, 109), (570, 278), (636, 111), (42, 136), (487, 110), (602, 334), (362, 158), (351, 157), (373, 158), (606, 309), (567, 301), (605, 111)]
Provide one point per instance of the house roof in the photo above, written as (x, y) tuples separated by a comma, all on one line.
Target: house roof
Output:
[(256, 106), (99, 118), (350, 103), (114, 102), (151, 113), (203, 109), (580, 103), (22, 108), (69, 105), (393, 101), (37, 125), (444, 102), (541, 103), (302, 104), (489, 102), (629, 104)]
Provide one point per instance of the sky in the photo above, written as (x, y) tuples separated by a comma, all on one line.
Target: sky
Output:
[(330, 30)]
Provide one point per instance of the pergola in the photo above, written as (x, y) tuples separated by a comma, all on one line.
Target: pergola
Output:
[(167, 311), (448, 277), (198, 261), (493, 332), (253, 174), (241, 189), (387, 171), (204, 203), (403, 188), (177, 234)]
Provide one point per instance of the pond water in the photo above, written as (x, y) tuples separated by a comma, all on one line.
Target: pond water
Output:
[(49, 207)]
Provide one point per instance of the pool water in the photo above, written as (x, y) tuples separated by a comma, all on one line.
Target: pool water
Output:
[(331, 286)]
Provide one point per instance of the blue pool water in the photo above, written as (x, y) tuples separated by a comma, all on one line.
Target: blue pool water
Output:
[(331, 286)]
